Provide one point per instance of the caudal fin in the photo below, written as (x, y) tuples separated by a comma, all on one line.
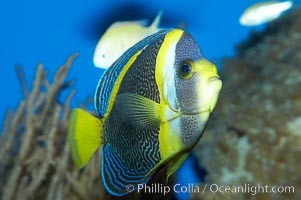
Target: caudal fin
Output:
[(84, 136)]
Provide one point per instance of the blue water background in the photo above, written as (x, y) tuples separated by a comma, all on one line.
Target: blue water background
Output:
[(48, 31)]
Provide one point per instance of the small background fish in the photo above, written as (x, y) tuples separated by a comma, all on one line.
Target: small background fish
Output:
[(264, 12), (119, 37)]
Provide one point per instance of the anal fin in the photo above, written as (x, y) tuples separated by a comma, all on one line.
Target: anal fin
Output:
[(117, 175)]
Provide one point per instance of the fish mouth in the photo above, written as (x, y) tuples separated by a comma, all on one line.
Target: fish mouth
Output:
[(213, 86), (214, 78)]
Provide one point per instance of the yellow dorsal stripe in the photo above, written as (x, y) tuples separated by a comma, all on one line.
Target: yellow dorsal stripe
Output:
[(118, 82), (85, 130)]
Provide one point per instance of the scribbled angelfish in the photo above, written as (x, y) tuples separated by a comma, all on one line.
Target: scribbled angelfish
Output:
[(152, 106)]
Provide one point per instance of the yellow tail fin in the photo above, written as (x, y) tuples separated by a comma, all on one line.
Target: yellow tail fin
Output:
[(84, 136)]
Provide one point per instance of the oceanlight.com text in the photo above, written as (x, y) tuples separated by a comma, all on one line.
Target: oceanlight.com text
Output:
[(250, 189), (157, 188)]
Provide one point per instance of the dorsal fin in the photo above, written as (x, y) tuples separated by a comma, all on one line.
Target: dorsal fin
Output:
[(157, 20), (108, 84)]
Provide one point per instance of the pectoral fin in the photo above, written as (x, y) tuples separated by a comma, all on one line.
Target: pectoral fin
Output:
[(139, 110), (84, 136)]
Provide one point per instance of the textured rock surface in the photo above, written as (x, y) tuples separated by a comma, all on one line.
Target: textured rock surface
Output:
[(254, 136)]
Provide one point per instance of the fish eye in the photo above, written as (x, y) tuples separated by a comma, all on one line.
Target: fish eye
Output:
[(185, 70), (103, 55)]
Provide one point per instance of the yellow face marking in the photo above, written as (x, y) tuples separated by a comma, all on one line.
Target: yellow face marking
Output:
[(209, 84), (169, 142), (205, 68)]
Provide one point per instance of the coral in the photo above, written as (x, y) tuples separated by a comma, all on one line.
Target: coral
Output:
[(35, 157), (254, 136)]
